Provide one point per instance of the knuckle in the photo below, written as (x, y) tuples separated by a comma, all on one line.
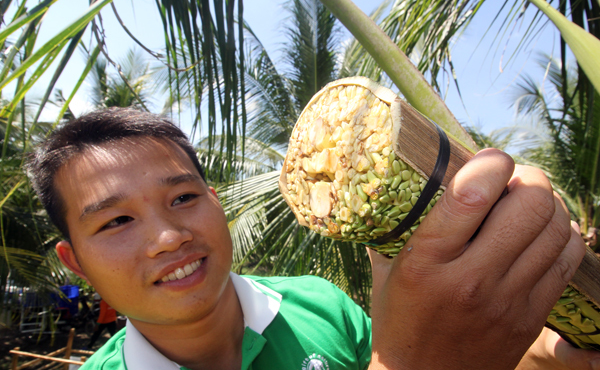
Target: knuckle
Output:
[(522, 331), (540, 207), (563, 270), (498, 311), (471, 296), (467, 296), (465, 200)]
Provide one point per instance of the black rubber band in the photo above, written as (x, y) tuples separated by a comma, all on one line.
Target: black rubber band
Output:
[(431, 188)]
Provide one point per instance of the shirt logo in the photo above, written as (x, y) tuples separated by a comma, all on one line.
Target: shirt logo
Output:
[(315, 362)]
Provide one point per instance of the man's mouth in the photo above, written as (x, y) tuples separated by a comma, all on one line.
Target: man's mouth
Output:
[(182, 272)]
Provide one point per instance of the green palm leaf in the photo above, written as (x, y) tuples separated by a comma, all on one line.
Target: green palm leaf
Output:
[(69, 31), (570, 154), (310, 52), (584, 45)]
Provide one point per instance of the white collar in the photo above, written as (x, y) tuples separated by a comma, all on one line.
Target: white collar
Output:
[(259, 306)]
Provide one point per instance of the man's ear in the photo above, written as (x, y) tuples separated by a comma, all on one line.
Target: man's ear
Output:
[(66, 255), (213, 191)]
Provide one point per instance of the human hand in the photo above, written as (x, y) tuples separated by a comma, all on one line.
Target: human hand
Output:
[(551, 352), (448, 302)]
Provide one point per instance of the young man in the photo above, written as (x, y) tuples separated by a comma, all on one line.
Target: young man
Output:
[(141, 225)]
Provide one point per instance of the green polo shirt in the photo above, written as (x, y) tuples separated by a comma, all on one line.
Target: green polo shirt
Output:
[(299, 323)]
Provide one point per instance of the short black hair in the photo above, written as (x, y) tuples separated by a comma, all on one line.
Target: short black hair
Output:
[(95, 128)]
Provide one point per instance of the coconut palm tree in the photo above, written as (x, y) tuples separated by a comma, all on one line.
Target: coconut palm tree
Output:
[(571, 151), (131, 86), (25, 232)]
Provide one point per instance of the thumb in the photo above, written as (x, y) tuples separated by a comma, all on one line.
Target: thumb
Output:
[(569, 356), (471, 194), (380, 270)]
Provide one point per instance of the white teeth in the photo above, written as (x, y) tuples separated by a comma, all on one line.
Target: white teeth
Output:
[(182, 272)]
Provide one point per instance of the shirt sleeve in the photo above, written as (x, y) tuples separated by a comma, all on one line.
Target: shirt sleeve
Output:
[(358, 326)]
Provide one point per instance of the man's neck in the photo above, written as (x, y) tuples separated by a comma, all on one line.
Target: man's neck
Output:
[(214, 342)]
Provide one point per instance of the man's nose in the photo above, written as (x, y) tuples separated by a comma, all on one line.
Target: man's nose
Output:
[(169, 235)]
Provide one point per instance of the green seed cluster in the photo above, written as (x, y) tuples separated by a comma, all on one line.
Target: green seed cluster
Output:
[(380, 204), (574, 316)]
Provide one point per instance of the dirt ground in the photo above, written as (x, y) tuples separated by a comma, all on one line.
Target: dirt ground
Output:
[(9, 339)]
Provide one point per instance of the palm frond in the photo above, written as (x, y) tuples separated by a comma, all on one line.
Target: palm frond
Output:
[(423, 30), (571, 116), (270, 105), (310, 54), (196, 32), (219, 169)]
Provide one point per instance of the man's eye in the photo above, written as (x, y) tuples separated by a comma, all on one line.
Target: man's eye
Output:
[(117, 222), (184, 198)]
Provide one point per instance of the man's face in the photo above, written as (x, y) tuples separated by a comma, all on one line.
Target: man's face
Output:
[(138, 212)]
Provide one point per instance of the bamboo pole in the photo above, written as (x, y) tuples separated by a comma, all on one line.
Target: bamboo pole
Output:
[(35, 362), (15, 359), (55, 359), (587, 277), (68, 348), (81, 352), (50, 356)]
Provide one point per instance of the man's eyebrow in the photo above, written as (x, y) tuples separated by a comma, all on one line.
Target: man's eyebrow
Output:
[(103, 204), (114, 199), (176, 180)]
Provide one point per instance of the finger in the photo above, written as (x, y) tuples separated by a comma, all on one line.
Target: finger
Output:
[(548, 290), (571, 357), (515, 222), (575, 227), (442, 235), (537, 259)]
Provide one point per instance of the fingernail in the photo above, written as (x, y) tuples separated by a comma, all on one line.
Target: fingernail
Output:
[(575, 226)]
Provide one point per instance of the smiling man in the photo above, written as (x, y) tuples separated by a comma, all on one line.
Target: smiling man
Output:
[(141, 225)]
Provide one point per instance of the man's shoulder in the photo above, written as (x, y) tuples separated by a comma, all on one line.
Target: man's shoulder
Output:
[(317, 325), (109, 356), (295, 284), (311, 292)]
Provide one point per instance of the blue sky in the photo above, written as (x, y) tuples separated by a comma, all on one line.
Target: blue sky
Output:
[(484, 76)]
